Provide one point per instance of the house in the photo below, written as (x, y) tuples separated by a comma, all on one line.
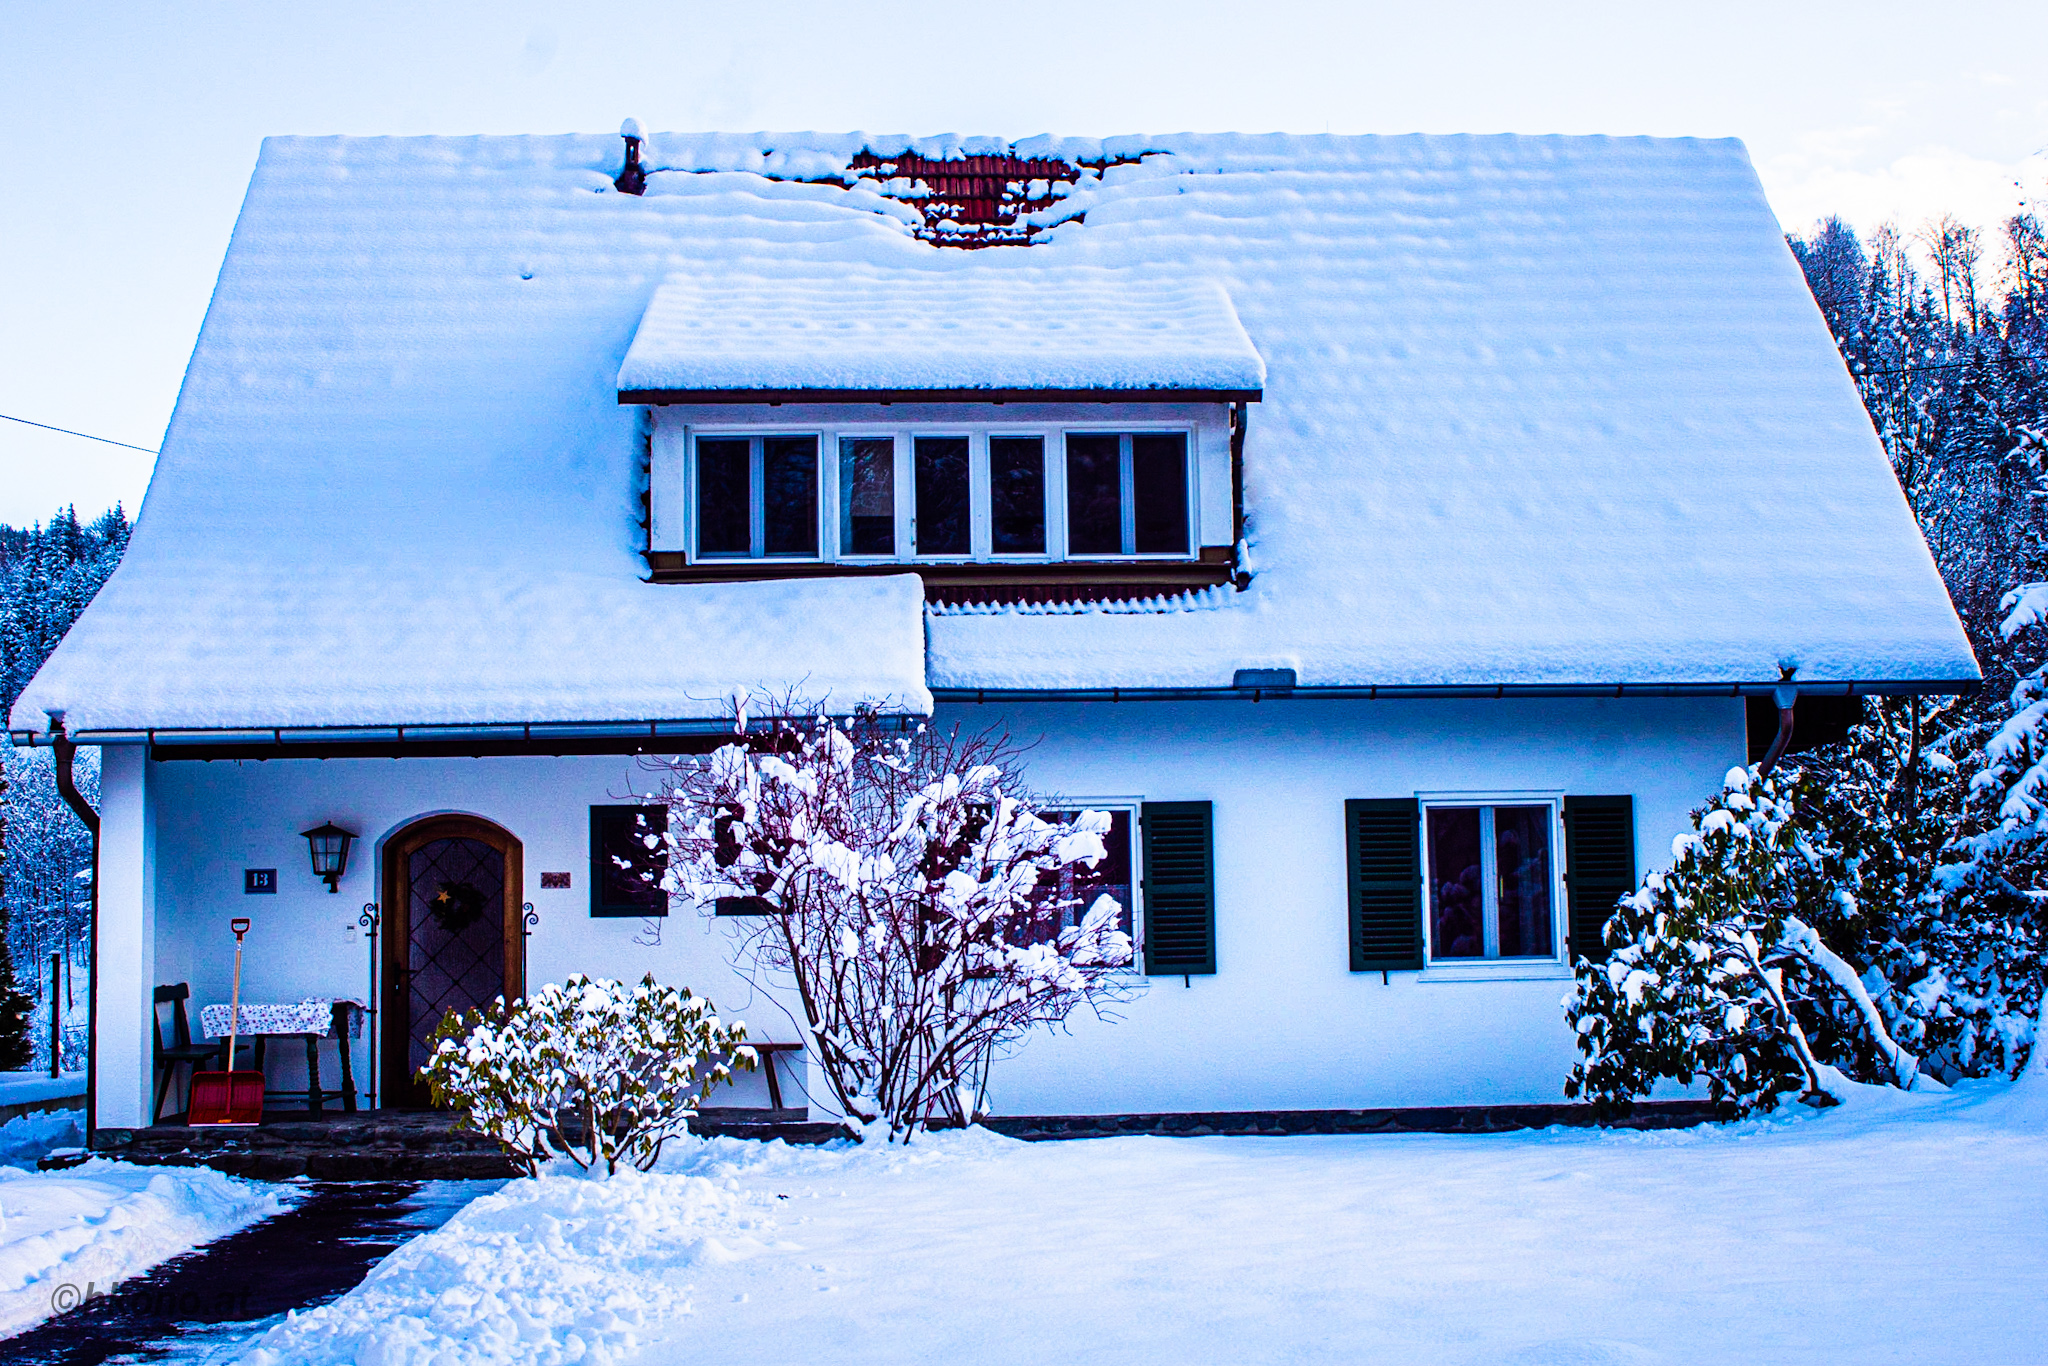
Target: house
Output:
[(1396, 533)]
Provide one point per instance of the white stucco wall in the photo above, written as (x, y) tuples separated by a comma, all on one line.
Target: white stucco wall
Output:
[(1283, 1023), (215, 819), (122, 1064)]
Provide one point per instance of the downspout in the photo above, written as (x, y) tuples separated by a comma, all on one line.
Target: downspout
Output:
[(67, 787), (1239, 413), (1787, 697)]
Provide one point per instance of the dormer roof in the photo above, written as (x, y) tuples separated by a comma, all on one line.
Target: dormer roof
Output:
[(975, 332)]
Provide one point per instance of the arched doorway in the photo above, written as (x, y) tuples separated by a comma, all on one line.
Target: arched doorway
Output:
[(453, 926)]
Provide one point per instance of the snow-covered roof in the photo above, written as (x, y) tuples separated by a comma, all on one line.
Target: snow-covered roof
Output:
[(851, 332), (1538, 411)]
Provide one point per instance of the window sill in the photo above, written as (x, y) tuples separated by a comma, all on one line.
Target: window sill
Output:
[(1540, 971), (958, 580)]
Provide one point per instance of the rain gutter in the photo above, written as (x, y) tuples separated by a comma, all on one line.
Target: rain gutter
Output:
[(1261, 689)]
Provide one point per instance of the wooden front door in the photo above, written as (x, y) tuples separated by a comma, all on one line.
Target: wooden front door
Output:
[(453, 920)]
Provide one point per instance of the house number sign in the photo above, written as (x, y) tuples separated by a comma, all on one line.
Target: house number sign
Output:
[(259, 880)]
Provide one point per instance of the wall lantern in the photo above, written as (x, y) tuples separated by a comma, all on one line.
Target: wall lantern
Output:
[(329, 843)]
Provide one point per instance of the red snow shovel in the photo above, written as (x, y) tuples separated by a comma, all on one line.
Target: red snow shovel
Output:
[(228, 1097)]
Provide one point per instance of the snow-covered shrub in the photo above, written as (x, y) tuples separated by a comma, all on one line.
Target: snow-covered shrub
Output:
[(1714, 970), (595, 1071), (901, 889)]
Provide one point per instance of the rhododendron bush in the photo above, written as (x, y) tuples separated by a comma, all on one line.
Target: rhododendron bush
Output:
[(1716, 971), (595, 1071), (902, 887)]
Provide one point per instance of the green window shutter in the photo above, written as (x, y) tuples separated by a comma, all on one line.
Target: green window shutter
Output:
[(1382, 841), (1180, 888), (1599, 866)]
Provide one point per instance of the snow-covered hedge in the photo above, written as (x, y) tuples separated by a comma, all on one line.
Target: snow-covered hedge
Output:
[(595, 1071)]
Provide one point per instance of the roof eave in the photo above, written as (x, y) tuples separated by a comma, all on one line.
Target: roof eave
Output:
[(548, 737), (1370, 692), (665, 397)]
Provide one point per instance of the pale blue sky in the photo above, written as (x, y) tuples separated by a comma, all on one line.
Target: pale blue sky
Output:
[(127, 130)]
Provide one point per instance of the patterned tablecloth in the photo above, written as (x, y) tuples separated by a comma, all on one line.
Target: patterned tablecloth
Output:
[(314, 1015)]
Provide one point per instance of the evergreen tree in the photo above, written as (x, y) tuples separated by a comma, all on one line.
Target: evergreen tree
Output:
[(16, 1050), (48, 573)]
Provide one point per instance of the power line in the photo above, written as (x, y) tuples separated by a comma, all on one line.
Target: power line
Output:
[(68, 432)]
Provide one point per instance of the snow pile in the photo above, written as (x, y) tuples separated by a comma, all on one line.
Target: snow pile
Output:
[(25, 1139), (934, 328), (100, 1223), (1869, 1233), (554, 1270)]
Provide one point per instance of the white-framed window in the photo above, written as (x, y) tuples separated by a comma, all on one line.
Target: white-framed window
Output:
[(756, 497), (1127, 494), (971, 493), (1491, 865)]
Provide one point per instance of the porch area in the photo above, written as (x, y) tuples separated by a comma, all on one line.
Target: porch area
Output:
[(385, 1145)]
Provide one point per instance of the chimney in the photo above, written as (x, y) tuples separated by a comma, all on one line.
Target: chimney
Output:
[(631, 179)]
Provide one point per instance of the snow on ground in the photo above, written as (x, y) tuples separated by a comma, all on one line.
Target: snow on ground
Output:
[(1907, 1229), (65, 1235)]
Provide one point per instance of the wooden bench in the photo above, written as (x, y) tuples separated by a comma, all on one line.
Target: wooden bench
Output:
[(767, 1052)]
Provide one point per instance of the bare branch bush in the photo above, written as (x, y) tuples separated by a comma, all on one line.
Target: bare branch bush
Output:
[(904, 885)]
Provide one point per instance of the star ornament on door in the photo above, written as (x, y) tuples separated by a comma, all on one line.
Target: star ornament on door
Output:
[(456, 906)]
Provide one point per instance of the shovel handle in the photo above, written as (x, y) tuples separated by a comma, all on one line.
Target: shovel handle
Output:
[(240, 927)]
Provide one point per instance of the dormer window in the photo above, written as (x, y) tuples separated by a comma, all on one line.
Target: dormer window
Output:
[(1044, 434), (1016, 494), (867, 496), (1127, 494), (942, 523), (967, 495), (757, 497)]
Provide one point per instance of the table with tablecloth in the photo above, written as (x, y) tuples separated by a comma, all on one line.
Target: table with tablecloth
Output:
[(311, 1020)]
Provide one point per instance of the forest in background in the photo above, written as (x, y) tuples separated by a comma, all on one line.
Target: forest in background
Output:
[(48, 573), (1950, 362)]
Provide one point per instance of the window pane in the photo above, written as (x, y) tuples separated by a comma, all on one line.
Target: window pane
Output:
[(1457, 899), (1159, 488), (940, 472), (1016, 475), (1521, 843), (789, 475), (1095, 514), (867, 495), (628, 871), (723, 518), (1064, 896)]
